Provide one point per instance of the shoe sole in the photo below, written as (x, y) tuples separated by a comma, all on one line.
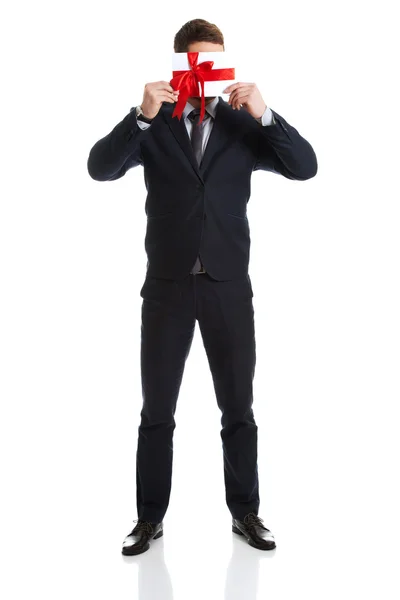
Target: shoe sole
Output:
[(134, 551), (250, 542)]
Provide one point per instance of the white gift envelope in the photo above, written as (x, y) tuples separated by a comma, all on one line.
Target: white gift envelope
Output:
[(222, 61)]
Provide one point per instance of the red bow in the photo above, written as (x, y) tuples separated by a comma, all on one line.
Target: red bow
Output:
[(187, 82)]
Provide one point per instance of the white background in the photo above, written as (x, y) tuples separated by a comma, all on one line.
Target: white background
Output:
[(325, 273)]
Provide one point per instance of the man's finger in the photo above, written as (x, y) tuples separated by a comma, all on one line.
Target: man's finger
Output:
[(244, 88), (234, 86), (165, 85), (242, 96), (166, 98), (242, 91), (241, 100)]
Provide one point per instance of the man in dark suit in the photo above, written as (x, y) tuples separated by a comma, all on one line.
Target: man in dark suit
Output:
[(197, 177)]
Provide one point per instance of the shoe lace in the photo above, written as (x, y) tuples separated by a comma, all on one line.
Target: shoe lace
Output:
[(143, 526), (252, 519)]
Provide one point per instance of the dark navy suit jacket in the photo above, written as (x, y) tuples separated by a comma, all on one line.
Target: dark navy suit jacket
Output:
[(195, 210)]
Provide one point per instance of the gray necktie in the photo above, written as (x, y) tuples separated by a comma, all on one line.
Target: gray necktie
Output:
[(196, 139)]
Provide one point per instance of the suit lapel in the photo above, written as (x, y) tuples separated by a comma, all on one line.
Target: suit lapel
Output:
[(221, 133), (179, 130)]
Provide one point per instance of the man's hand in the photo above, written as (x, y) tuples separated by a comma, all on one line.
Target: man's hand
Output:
[(154, 95), (247, 95)]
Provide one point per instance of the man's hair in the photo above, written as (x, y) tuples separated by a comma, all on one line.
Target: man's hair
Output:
[(197, 30)]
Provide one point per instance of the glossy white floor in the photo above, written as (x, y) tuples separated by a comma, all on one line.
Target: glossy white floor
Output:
[(326, 494)]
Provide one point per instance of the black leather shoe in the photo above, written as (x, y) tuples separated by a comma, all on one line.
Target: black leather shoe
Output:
[(137, 541), (257, 535)]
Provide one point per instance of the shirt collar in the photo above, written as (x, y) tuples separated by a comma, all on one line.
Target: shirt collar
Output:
[(211, 108)]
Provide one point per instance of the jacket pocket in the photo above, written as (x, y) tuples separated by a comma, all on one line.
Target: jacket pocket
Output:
[(162, 216), (237, 217)]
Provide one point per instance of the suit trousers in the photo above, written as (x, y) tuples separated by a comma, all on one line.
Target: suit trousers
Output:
[(224, 311)]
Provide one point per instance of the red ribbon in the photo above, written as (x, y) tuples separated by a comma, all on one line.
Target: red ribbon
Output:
[(187, 82)]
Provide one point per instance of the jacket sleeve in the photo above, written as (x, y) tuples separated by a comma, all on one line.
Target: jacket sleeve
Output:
[(112, 156), (283, 150)]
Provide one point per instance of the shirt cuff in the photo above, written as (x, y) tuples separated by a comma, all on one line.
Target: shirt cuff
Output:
[(267, 118), (142, 124)]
